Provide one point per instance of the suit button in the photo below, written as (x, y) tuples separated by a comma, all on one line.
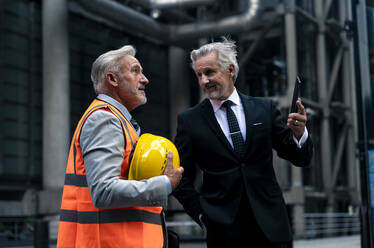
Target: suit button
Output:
[(242, 165)]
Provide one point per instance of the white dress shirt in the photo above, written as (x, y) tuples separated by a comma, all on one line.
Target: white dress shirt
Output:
[(237, 107), (221, 117)]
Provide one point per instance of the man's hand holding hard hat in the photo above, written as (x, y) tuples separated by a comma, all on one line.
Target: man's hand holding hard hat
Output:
[(154, 156), (174, 174)]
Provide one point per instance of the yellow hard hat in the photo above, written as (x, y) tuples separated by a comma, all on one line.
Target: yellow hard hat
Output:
[(150, 156)]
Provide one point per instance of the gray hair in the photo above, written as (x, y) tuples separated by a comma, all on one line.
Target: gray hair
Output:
[(226, 51), (107, 62)]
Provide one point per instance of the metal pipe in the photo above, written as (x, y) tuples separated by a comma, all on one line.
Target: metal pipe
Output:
[(334, 73), (167, 4), (306, 15), (362, 66), (174, 34), (56, 106), (292, 68), (127, 17), (260, 37), (327, 8), (326, 159), (56, 115), (350, 99), (338, 156), (229, 25)]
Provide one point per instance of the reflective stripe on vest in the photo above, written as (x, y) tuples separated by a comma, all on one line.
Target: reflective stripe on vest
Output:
[(110, 216), (84, 225)]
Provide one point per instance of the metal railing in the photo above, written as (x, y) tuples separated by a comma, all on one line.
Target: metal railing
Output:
[(331, 224), (316, 225)]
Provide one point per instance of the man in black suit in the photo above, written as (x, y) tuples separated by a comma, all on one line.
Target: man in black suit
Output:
[(240, 202)]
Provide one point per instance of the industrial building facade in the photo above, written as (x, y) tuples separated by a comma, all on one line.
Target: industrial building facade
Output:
[(46, 52)]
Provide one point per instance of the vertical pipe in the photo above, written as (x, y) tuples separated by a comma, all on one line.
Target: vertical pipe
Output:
[(291, 54), (30, 109), (349, 98), (291, 46), (363, 97), (179, 95), (56, 110), (55, 92), (180, 80), (325, 135)]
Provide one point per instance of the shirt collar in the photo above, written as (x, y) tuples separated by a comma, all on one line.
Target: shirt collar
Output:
[(116, 104), (234, 97)]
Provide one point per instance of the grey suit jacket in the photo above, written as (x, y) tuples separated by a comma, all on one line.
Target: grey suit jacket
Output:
[(103, 143)]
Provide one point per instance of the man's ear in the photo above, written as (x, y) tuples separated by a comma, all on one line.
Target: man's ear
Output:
[(232, 70), (112, 79)]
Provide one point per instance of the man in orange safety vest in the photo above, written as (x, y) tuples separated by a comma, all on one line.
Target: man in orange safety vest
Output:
[(100, 207)]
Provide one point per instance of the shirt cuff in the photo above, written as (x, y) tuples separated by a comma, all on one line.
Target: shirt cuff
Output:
[(302, 140), (168, 185)]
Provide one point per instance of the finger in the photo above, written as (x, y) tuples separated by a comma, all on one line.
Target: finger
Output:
[(295, 123), (300, 118), (296, 119), (292, 116), (180, 169), (290, 122), (290, 125), (169, 162), (295, 116), (300, 107)]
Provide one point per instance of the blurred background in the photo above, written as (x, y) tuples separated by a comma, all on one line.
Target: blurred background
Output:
[(46, 51)]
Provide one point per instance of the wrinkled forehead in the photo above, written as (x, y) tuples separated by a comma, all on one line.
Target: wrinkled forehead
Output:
[(207, 60), (129, 61)]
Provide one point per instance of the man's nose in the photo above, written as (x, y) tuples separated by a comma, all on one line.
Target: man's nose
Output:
[(144, 79), (204, 79)]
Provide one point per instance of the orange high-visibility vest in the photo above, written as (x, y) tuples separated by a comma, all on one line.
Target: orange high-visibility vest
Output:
[(82, 224)]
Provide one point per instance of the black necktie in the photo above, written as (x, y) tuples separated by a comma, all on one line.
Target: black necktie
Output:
[(236, 135), (135, 125)]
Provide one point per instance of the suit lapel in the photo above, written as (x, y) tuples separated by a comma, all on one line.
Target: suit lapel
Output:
[(208, 114), (248, 108)]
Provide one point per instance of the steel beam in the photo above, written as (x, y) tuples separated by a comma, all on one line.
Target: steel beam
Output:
[(325, 134), (292, 65), (338, 156), (56, 95), (334, 73), (350, 99)]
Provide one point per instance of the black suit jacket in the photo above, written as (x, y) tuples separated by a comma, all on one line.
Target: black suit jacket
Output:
[(227, 177)]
